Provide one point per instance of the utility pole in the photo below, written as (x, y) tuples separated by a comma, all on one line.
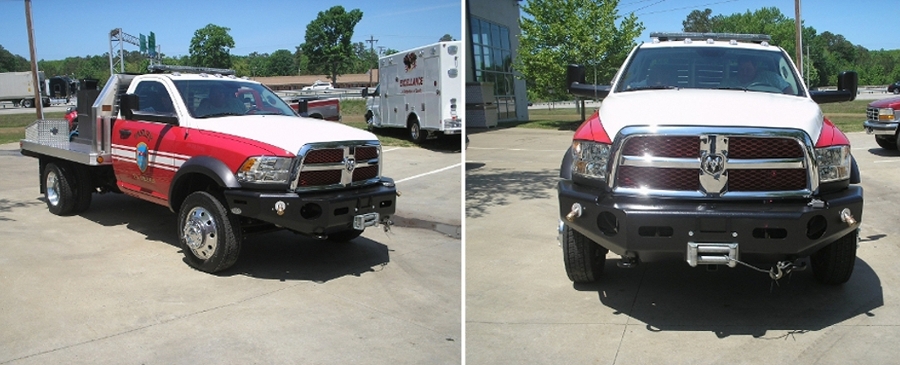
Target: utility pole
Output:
[(799, 42), (38, 101), (372, 42)]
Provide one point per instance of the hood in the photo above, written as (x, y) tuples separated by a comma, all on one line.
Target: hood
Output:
[(287, 132), (722, 108), (886, 103)]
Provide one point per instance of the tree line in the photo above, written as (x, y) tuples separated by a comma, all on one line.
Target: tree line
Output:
[(556, 33), (327, 49)]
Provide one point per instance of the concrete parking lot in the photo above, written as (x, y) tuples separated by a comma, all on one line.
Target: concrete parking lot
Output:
[(521, 307), (109, 286)]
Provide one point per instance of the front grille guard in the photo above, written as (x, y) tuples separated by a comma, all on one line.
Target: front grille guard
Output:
[(299, 165), (807, 162)]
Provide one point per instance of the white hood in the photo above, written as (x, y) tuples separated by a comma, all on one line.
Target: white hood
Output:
[(287, 132), (696, 107)]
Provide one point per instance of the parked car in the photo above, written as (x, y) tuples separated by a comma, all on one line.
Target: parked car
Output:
[(319, 85), (894, 88)]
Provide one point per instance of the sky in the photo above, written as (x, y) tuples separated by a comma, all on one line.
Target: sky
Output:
[(868, 23), (69, 28)]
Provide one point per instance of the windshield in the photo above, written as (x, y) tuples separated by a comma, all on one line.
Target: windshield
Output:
[(219, 98), (710, 68)]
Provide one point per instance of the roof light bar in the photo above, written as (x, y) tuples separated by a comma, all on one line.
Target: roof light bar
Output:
[(189, 69), (680, 36)]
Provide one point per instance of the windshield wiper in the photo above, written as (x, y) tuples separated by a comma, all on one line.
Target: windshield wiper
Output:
[(733, 88), (653, 87), (218, 115)]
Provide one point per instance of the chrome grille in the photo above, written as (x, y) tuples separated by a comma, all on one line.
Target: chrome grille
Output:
[(872, 113), (337, 165), (710, 162)]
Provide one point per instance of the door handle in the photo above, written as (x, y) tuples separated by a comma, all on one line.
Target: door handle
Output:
[(124, 133)]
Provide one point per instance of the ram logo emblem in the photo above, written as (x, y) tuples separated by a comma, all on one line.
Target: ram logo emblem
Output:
[(349, 163)]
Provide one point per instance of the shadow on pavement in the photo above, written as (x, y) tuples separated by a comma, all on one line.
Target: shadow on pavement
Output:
[(884, 152), (287, 256), (672, 296), (7, 206), (497, 187), (280, 255)]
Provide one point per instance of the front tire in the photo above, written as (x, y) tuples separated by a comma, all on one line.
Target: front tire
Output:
[(584, 258), (209, 236), (886, 142), (344, 236), (833, 264), (59, 189)]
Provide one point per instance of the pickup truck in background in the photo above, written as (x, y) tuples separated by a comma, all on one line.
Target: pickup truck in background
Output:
[(319, 108), (882, 120)]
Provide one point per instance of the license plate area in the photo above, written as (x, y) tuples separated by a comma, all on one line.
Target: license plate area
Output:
[(360, 222), (705, 253)]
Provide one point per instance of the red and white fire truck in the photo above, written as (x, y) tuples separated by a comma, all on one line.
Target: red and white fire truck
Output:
[(710, 149), (181, 137)]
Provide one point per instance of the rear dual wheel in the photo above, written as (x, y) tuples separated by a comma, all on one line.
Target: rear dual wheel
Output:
[(67, 189)]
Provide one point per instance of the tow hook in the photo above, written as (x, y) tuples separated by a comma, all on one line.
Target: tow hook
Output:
[(575, 213), (387, 223), (847, 217)]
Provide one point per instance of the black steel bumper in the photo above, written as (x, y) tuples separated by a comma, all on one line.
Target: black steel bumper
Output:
[(635, 226), (315, 212)]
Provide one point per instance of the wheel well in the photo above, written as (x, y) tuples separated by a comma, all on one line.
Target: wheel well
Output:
[(412, 118), (316, 115), (190, 183)]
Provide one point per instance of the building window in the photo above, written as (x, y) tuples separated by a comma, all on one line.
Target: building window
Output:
[(492, 62)]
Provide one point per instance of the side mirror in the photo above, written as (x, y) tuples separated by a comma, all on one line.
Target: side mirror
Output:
[(574, 73), (576, 85), (128, 104), (848, 84), (365, 92)]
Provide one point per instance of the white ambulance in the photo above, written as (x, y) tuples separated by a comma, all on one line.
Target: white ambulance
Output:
[(420, 90)]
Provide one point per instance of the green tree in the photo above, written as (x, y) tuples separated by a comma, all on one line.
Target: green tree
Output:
[(302, 61), (446, 38), (281, 63), (700, 21), (556, 33), (327, 44), (12, 63), (211, 47)]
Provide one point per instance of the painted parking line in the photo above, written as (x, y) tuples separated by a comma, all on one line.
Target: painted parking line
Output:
[(514, 149), (427, 173)]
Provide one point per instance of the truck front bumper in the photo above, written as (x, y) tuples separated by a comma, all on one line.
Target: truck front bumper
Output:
[(879, 128), (637, 227), (317, 212)]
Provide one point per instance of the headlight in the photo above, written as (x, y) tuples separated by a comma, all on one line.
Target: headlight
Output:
[(885, 114), (834, 163), (265, 169), (590, 159)]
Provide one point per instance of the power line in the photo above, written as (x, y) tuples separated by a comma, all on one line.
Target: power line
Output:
[(647, 6), (686, 7)]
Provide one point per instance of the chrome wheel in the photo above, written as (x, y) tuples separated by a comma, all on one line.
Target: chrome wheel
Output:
[(199, 233), (52, 185)]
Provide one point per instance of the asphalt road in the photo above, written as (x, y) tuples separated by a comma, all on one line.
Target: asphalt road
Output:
[(521, 307), (109, 286)]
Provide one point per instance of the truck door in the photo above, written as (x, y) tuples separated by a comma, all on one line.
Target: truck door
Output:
[(144, 152), (430, 100)]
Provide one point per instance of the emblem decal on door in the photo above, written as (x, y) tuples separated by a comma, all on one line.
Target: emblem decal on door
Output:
[(140, 154)]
